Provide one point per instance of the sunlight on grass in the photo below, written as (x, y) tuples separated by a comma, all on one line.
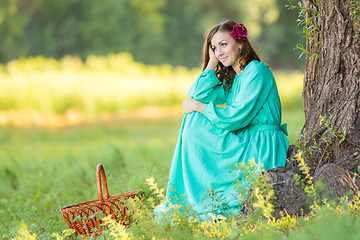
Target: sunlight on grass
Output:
[(93, 87), (46, 92)]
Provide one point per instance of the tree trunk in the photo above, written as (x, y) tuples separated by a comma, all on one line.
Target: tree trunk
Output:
[(332, 80), (332, 89)]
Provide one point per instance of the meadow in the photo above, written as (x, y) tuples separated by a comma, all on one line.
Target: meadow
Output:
[(59, 119)]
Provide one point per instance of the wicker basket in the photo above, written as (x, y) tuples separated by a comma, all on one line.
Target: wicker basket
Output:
[(85, 218)]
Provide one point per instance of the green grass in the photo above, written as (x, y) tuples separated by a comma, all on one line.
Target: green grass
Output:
[(295, 120), (43, 169)]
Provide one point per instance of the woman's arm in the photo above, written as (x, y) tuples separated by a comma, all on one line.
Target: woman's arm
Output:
[(205, 88), (255, 87), (191, 105)]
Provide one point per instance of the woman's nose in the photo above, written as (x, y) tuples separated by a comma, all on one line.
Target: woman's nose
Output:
[(220, 52)]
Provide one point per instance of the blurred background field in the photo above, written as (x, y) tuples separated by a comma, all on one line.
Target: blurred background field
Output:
[(84, 82), (47, 92)]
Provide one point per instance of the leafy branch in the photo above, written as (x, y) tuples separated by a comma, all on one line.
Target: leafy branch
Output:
[(317, 152), (355, 14), (308, 17), (218, 204)]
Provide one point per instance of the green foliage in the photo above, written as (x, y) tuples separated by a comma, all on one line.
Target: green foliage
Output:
[(355, 15), (24, 234), (181, 222), (308, 17), (257, 196), (276, 38), (116, 230), (306, 182), (218, 205), (66, 234), (319, 151), (330, 222), (316, 199), (12, 23), (154, 31)]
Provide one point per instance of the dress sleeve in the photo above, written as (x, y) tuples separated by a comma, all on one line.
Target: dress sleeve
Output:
[(205, 88), (255, 88)]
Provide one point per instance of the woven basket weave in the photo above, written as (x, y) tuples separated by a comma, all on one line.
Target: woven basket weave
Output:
[(86, 218)]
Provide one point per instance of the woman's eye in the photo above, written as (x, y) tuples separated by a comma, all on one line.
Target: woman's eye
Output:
[(223, 44)]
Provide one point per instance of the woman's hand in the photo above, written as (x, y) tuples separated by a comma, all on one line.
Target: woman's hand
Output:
[(191, 105), (213, 61)]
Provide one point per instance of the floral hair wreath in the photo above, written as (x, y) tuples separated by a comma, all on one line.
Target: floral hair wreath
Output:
[(239, 32)]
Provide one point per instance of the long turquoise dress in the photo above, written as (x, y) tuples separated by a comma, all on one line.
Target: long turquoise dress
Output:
[(209, 143)]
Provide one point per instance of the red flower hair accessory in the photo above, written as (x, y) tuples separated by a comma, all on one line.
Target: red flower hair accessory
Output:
[(239, 32)]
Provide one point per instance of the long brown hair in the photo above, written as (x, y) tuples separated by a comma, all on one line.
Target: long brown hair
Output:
[(247, 54)]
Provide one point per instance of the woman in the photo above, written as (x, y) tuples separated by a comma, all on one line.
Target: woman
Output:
[(212, 139)]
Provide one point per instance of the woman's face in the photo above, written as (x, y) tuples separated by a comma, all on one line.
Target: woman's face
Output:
[(226, 49)]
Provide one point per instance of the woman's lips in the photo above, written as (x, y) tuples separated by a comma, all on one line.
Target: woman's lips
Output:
[(222, 59)]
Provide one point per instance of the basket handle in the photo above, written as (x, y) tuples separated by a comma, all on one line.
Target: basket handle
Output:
[(101, 172)]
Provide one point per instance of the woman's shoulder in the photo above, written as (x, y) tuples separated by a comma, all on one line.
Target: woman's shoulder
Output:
[(257, 68)]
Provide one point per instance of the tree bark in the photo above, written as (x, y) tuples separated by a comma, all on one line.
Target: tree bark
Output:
[(332, 80), (332, 89), (337, 181), (290, 198)]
